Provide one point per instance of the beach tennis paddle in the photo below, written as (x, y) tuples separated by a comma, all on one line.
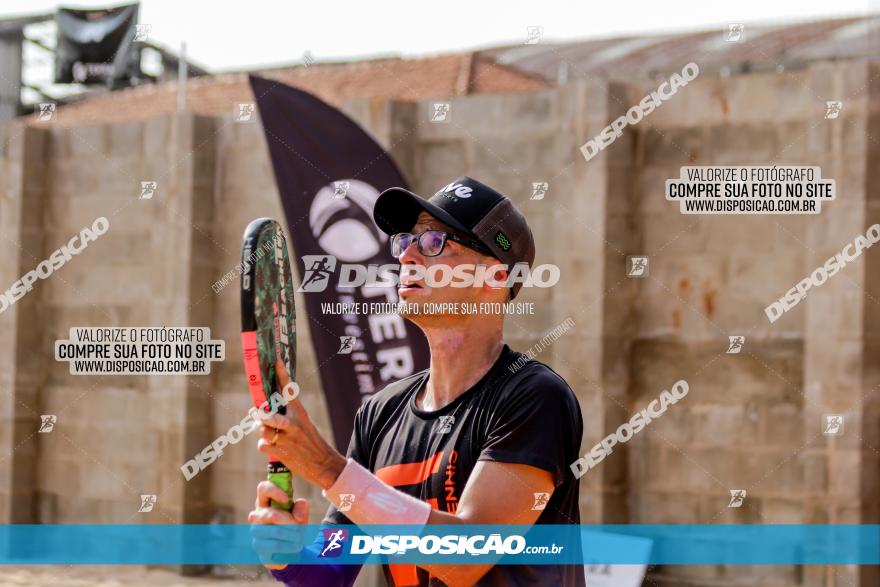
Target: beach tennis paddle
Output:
[(268, 323)]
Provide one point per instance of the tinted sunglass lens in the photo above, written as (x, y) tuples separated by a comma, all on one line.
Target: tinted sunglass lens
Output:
[(431, 243), (399, 244)]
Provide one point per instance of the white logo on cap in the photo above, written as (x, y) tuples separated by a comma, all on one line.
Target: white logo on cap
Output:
[(458, 189)]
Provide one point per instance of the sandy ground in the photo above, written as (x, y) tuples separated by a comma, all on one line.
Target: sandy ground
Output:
[(122, 576)]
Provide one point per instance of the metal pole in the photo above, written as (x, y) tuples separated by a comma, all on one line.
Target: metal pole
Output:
[(181, 79)]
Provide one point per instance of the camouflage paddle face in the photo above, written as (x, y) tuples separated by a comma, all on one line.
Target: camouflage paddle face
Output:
[(268, 322), (274, 311)]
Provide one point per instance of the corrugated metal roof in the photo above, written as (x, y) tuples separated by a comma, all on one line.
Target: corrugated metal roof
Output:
[(763, 47)]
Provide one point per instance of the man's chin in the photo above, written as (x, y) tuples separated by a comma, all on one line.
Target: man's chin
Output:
[(421, 309), (413, 309)]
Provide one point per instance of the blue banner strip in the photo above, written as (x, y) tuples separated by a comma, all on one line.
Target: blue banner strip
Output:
[(497, 544)]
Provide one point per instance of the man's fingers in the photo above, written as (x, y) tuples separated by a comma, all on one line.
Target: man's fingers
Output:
[(273, 553), (276, 421), (291, 536), (281, 373), (267, 491), (267, 449), (283, 381), (273, 542), (301, 511), (270, 516)]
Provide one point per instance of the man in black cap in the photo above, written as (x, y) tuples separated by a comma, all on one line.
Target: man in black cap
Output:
[(483, 436)]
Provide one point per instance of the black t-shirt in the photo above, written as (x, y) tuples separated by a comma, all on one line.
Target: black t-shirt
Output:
[(528, 416)]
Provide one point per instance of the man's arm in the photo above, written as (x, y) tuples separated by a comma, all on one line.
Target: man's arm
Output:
[(496, 493)]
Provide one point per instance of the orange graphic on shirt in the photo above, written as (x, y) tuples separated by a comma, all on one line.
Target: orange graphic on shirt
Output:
[(411, 474)]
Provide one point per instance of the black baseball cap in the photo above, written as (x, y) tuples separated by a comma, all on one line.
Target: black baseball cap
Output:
[(472, 208)]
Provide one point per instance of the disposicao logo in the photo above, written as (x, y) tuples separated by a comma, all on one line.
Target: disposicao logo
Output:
[(334, 539)]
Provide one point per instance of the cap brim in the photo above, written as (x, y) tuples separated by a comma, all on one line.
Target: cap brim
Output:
[(396, 210)]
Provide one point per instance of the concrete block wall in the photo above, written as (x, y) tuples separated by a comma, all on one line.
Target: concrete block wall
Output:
[(21, 370), (740, 427), (113, 431), (753, 420)]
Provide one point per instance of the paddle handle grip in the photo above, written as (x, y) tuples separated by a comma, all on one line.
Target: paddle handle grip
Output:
[(280, 477)]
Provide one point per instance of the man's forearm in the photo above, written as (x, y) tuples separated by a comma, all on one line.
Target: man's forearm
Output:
[(332, 469), (375, 502)]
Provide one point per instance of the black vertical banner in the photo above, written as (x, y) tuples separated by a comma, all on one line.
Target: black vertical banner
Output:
[(329, 174)]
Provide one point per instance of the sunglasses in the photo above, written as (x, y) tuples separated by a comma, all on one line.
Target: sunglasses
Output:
[(431, 243)]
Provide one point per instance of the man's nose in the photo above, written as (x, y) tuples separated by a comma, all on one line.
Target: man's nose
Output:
[(411, 254)]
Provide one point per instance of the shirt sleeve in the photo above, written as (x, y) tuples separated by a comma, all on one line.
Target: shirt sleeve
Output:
[(316, 573), (537, 422)]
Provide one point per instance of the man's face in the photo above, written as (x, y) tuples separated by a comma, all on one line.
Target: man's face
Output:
[(416, 291)]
